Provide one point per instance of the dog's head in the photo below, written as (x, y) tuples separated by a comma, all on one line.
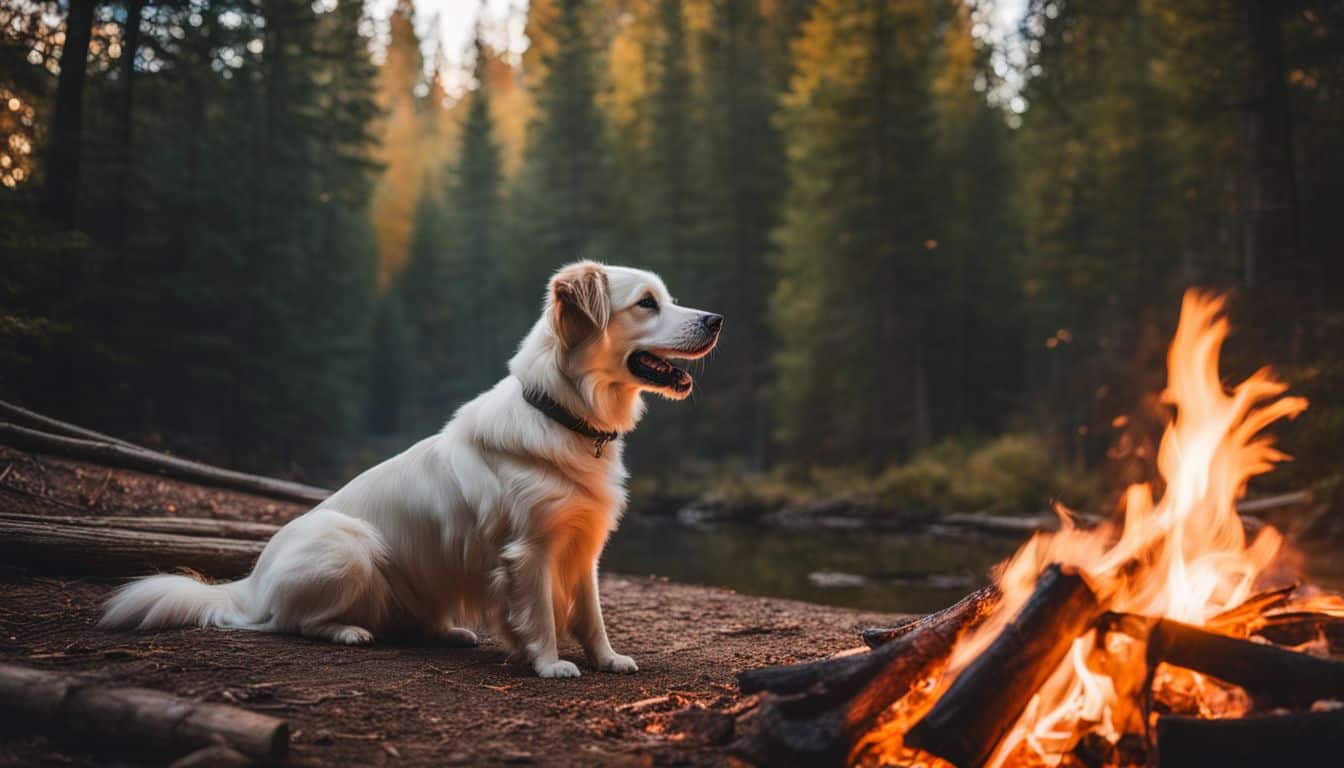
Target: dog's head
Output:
[(619, 327)]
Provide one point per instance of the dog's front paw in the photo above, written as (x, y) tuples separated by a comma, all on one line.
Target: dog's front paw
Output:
[(560, 668), (619, 664)]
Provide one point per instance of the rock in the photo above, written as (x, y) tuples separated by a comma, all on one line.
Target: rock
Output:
[(836, 580)]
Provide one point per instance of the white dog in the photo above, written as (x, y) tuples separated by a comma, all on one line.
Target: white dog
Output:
[(499, 518)]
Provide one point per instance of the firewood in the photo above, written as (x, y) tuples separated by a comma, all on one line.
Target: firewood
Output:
[(1298, 627), (969, 720), (185, 526), (86, 551), (1251, 609), (1296, 739), (126, 455), (1270, 674), (812, 714), (982, 600), (81, 711)]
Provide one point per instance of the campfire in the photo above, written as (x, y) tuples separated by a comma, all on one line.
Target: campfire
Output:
[(1174, 635)]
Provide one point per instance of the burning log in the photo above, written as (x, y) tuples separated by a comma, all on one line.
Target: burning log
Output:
[(122, 454), (1298, 627), (78, 710), (1300, 738), (969, 720), (1271, 675), (980, 602), (797, 678), (76, 549), (814, 713)]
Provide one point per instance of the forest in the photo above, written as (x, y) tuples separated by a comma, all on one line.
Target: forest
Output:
[(270, 234)]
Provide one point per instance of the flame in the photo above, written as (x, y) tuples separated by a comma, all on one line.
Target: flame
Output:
[(1179, 551)]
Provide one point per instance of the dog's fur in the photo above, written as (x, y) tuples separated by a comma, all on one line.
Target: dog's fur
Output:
[(498, 519)]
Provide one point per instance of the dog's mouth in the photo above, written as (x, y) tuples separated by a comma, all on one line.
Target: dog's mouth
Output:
[(657, 371)]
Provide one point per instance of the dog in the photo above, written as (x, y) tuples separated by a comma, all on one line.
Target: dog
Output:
[(498, 520)]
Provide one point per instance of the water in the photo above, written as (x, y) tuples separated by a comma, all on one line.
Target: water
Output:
[(902, 572)]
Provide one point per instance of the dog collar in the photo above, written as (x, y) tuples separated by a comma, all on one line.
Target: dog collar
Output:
[(569, 420)]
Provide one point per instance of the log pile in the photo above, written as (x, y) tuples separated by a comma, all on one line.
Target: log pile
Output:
[(815, 713)]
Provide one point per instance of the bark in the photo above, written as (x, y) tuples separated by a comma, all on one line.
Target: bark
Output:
[(79, 711), (182, 526), (67, 119), (71, 550), (120, 454), (969, 720)]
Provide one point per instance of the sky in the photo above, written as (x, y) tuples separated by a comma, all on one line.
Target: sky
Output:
[(450, 23)]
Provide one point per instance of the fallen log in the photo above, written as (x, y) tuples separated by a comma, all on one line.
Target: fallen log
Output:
[(982, 600), (1298, 738), (814, 713), (1273, 676), (78, 710), (79, 550), (33, 419), (128, 456), (185, 526), (969, 720)]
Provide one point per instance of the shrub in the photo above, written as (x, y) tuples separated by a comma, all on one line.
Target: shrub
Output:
[(1009, 474)]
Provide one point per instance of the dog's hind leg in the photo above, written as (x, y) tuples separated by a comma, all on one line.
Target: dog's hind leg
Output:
[(457, 637), (341, 634), (322, 577)]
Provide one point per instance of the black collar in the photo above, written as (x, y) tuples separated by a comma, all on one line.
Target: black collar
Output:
[(569, 420)]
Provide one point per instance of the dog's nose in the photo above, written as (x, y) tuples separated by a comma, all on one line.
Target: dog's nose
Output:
[(712, 323)]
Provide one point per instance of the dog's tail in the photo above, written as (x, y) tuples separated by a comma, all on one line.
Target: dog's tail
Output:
[(155, 602)]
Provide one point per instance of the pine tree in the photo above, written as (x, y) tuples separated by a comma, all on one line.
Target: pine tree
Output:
[(398, 191), (567, 206), (744, 179), (856, 260), (475, 217)]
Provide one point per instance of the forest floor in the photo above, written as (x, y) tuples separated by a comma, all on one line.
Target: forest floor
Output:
[(404, 704)]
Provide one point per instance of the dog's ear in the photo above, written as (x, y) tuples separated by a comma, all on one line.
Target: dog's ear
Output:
[(580, 301)]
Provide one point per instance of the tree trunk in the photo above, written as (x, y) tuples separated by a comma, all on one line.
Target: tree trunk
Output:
[(1274, 262), (130, 44), (67, 119)]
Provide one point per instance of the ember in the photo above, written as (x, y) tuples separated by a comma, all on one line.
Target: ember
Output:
[(1126, 643)]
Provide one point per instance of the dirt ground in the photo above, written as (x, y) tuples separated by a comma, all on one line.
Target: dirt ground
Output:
[(409, 704)]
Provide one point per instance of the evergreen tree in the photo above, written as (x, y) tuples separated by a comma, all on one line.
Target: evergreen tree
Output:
[(857, 264), (744, 180), (567, 206)]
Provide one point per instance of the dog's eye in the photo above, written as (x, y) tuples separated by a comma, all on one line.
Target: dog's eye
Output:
[(648, 302)]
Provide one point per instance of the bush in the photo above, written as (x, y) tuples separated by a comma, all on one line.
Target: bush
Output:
[(1010, 474), (923, 485)]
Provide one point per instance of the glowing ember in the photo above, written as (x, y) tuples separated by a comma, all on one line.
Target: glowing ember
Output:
[(1183, 555)]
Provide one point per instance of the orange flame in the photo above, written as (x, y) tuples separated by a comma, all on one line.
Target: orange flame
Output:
[(1184, 555)]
